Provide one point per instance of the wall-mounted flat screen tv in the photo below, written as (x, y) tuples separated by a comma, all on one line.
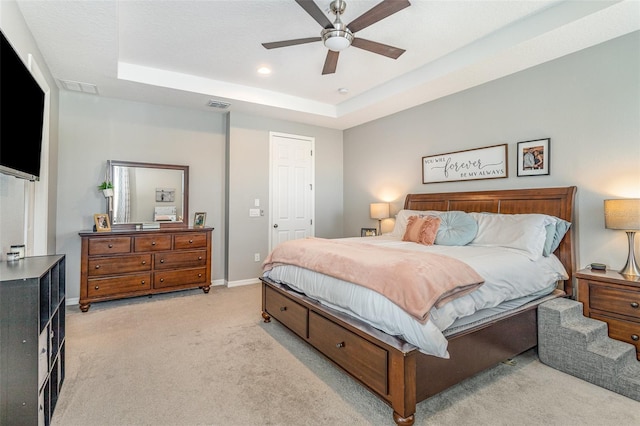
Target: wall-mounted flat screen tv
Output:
[(21, 116)]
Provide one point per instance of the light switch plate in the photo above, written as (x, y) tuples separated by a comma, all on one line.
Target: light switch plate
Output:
[(254, 212)]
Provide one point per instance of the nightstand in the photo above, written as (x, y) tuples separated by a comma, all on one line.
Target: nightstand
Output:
[(615, 299)]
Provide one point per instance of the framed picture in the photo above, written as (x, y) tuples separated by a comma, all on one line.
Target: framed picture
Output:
[(489, 162), (533, 157), (368, 232), (165, 195), (102, 222), (199, 220)]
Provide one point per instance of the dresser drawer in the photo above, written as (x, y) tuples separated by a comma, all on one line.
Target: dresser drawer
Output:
[(190, 240), (183, 259), (183, 277), (617, 300), (119, 264), (116, 245), (107, 286), (361, 358), (626, 331), (152, 243), (288, 312)]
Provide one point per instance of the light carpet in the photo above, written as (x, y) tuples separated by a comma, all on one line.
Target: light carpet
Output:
[(190, 358)]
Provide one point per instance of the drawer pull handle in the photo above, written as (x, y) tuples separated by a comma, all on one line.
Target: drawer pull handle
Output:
[(144, 262), (634, 304), (97, 287), (97, 266), (199, 275), (110, 245), (161, 260), (340, 345), (161, 280), (283, 308), (634, 337), (190, 241), (142, 282), (153, 243), (199, 257)]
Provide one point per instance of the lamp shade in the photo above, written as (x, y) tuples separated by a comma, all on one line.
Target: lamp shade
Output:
[(379, 210), (623, 214)]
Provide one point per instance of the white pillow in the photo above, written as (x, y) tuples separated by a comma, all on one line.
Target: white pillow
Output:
[(403, 216), (526, 232)]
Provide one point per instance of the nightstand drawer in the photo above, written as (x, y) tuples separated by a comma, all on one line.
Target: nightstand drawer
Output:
[(616, 300), (626, 331)]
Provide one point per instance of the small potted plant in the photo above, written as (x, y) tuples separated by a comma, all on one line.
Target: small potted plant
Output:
[(107, 188)]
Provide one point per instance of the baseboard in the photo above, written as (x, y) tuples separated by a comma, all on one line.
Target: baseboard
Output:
[(243, 282)]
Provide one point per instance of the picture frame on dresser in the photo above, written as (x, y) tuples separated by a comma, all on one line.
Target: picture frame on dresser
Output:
[(199, 219), (102, 222), (368, 232), (534, 157)]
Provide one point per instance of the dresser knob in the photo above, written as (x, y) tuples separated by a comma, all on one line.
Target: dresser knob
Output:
[(144, 262), (97, 266), (190, 241), (199, 275), (153, 243), (634, 337), (161, 280), (161, 260), (199, 257), (110, 245), (340, 345), (634, 304), (97, 287), (142, 282)]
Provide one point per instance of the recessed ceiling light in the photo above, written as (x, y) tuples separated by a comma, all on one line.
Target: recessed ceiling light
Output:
[(264, 70), (343, 90)]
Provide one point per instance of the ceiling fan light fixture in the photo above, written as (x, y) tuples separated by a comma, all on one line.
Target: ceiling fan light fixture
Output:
[(336, 39)]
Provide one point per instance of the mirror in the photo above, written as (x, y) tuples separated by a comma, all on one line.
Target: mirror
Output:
[(148, 192)]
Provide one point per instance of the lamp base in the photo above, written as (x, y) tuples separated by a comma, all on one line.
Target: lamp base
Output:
[(631, 267)]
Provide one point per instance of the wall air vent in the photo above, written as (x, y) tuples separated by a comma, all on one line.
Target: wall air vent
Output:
[(77, 86), (218, 104)]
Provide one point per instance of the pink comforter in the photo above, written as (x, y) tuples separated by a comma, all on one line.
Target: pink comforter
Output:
[(412, 280)]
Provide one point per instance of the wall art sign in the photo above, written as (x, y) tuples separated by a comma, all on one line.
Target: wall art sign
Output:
[(534, 157), (481, 163)]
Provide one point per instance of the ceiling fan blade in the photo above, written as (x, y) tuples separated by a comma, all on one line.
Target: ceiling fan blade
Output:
[(312, 9), (331, 62), (377, 13), (286, 43), (379, 48)]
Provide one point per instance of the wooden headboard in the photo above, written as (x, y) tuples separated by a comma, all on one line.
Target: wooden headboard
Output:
[(552, 201)]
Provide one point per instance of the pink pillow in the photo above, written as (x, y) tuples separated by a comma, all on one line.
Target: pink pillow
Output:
[(422, 230)]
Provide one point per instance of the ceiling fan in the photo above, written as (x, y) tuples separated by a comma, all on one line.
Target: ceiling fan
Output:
[(337, 36)]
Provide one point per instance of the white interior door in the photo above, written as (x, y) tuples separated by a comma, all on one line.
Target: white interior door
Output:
[(291, 198)]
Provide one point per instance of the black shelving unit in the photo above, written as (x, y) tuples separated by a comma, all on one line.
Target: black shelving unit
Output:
[(32, 338)]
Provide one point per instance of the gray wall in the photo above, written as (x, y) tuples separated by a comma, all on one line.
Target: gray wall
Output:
[(248, 171), (94, 129), (588, 103)]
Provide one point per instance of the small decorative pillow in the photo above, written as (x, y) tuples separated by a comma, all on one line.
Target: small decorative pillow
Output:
[(403, 216), (422, 230), (457, 228)]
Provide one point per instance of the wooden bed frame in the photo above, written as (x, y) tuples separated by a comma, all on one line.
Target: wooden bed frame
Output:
[(391, 368)]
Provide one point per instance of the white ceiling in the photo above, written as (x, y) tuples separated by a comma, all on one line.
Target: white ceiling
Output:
[(183, 53)]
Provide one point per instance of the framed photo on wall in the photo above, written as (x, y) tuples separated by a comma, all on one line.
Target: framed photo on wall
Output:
[(199, 220), (102, 222), (533, 157)]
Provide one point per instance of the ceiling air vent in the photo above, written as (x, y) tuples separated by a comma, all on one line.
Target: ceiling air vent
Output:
[(218, 104), (77, 86)]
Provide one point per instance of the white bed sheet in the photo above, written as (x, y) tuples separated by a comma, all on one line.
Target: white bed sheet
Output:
[(509, 275)]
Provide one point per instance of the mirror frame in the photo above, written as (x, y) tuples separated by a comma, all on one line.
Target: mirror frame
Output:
[(185, 196)]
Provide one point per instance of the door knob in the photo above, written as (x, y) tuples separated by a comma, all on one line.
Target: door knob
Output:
[(275, 225)]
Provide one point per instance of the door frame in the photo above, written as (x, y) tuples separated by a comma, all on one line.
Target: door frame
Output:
[(313, 180)]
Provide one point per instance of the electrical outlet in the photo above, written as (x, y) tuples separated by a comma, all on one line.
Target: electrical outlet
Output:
[(256, 257)]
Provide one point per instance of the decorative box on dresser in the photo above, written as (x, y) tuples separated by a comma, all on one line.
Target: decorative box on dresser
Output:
[(615, 299), (128, 263), (32, 338)]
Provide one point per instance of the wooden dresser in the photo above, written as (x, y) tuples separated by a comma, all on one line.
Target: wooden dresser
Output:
[(615, 299), (120, 264)]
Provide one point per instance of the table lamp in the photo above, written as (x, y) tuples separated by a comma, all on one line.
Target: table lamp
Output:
[(624, 214), (379, 211)]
